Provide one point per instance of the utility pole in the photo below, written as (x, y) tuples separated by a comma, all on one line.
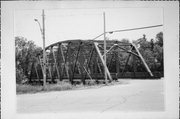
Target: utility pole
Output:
[(105, 74), (44, 52)]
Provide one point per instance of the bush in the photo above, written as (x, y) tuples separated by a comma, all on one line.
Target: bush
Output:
[(59, 86), (20, 77), (28, 89), (91, 82)]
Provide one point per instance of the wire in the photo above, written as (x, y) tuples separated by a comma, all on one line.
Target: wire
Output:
[(128, 30), (136, 28)]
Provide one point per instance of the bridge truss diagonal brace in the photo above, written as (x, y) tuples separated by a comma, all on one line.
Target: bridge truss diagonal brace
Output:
[(128, 51), (127, 60), (88, 61), (142, 59), (64, 61), (76, 59), (102, 60), (49, 67), (110, 49), (41, 64), (55, 62), (87, 73), (36, 70)]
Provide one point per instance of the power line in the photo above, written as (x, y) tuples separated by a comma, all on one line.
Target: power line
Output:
[(128, 30), (137, 28)]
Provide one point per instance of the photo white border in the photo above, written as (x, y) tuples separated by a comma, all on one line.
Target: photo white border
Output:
[(171, 57)]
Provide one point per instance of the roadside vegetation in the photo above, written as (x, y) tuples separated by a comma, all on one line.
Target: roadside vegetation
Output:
[(27, 88), (62, 86)]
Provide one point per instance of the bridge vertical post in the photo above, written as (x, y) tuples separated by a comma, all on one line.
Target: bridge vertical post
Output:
[(59, 60), (117, 62), (134, 65), (98, 66), (50, 67), (41, 64)]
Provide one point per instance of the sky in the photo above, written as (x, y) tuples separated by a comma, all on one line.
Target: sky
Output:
[(68, 24)]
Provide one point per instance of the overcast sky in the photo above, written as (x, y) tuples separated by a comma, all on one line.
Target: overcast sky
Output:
[(66, 24)]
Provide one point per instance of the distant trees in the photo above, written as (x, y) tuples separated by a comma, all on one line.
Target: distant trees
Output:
[(159, 38), (158, 50), (152, 51), (25, 52)]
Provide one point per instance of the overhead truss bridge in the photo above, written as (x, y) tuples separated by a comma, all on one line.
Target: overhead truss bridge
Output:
[(82, 60)]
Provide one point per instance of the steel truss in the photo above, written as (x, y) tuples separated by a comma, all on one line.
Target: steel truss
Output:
[(82, 60)]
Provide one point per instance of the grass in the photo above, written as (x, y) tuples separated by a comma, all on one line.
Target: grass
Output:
[(60, 86), (25, 88)]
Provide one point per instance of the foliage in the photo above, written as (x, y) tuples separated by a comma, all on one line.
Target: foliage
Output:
[(59, 86), (159, 38), (125, 40), (25, 88), (152, 52), (26, 52), (20, 77)]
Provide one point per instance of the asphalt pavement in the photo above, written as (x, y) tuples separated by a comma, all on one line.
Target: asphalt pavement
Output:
[(135, 95)]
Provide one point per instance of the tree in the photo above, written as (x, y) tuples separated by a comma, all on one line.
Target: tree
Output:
[(147, 53), (159, 38), (158, 50), (124, 40), (152, 51), (26, 52)]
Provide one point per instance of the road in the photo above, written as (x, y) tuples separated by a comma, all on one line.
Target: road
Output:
[(136, 95)]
